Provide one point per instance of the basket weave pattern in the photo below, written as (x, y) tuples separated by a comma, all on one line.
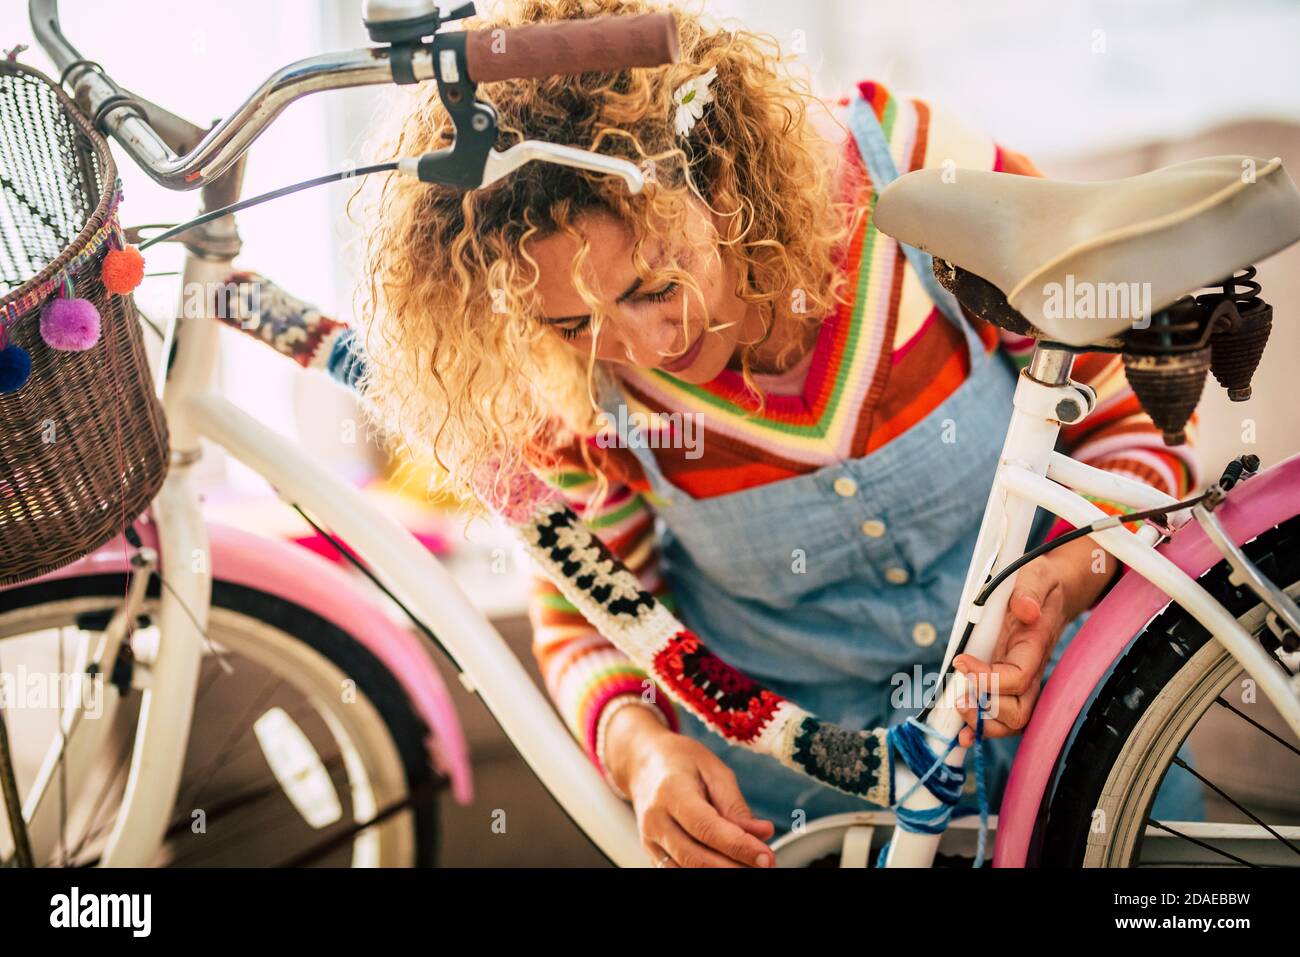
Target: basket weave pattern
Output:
[(83, 443)]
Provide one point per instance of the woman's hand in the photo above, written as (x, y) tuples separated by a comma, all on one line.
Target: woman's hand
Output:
[(1049, 593), (687, 802)]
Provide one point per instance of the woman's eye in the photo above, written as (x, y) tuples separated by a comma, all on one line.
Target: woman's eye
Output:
[(572, 332), (662, 295)]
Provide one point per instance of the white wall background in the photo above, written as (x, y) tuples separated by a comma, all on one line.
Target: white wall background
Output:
[(201, 64), (1056, 76)]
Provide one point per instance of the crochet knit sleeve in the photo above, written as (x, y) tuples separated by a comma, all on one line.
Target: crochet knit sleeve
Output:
[(293, 327), (587, 676)]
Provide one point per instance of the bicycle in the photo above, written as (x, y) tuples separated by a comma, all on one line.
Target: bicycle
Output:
[(249, 589)]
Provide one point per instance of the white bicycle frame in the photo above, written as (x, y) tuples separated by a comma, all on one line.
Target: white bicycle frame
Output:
[(1029, 474)]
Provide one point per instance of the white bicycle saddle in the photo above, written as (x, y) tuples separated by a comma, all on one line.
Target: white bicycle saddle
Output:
[(1177, 229)]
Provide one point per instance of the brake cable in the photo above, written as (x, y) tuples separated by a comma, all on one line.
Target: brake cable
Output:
[(266, 197), (1101, 524)]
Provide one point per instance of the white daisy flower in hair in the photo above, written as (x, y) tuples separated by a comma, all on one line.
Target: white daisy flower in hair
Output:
[(690, 98)]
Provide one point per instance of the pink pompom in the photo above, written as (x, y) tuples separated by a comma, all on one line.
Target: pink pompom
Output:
[(70, 325)]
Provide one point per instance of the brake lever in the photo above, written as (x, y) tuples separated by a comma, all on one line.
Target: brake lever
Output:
[(447, 168), (471, 162)]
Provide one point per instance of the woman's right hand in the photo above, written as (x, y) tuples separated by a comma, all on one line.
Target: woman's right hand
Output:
[(688, 804)]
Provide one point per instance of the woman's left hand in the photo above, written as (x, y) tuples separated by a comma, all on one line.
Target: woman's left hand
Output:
[(1049, 593)]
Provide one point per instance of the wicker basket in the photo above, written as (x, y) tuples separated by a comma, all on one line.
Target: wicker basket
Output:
[(83, 443)]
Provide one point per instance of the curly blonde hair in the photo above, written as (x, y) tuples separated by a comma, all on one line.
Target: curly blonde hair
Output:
[(460, 369)]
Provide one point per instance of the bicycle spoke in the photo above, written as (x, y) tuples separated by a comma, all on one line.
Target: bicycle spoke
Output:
[(95, 823), (94, 826), (276, 817), (243, 800), (98, 822), (1200, 843), (9, 794), (229, 753), (63, 770), (1280, 663), (246, 797), (1245, 717), (257, 706), (423, 795), (253, 818), (1231, 800)]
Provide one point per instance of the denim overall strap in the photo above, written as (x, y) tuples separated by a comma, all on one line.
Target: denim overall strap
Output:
[(874, 148), (661, 490)]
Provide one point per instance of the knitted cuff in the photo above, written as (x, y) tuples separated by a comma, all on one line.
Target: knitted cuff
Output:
[(341, 357), (612, 707)]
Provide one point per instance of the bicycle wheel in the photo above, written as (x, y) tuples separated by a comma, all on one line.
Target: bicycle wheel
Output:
[(304, 749), (1171, 685)]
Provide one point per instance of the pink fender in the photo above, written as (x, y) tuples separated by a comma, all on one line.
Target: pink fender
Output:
[(323, 588), (1253, 507)]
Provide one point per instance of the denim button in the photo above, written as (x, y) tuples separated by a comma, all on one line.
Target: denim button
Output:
[(845, 486), (924, 634), (873, 528), (895, 575)]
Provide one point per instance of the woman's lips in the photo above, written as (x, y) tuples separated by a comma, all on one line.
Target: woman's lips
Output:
[(686, 358)]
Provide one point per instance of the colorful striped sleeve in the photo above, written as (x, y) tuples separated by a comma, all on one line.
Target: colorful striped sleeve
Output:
[(586, 676)]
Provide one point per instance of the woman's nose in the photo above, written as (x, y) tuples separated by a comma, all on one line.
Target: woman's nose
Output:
[(651, 340)]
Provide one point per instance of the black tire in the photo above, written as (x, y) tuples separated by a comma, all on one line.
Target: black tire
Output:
[(1152, 662), (405, 727)]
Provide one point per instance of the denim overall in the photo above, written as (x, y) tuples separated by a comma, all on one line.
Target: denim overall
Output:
[(831, 592)]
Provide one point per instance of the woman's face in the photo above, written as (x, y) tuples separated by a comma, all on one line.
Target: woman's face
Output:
[(643, 326)]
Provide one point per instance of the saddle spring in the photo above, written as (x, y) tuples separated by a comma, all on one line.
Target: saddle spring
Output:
[(1223, 332)]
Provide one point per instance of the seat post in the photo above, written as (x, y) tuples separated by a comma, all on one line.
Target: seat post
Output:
[(1050, 364)]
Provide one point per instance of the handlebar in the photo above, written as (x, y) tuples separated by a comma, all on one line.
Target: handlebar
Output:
[(456, 59), (601, 44)]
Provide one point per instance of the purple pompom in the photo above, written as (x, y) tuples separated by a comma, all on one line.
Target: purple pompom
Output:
[(71, 325)]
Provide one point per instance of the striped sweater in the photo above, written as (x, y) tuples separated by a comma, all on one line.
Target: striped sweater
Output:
[(879, 365)]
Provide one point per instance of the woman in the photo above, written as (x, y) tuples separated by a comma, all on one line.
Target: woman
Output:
[(821, 426)]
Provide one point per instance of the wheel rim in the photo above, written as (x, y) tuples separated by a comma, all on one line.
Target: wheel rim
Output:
[(286, 757), (1147, 756)]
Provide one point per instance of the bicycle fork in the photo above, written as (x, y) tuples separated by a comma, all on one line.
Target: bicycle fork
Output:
[(165, 660), (169, 671)]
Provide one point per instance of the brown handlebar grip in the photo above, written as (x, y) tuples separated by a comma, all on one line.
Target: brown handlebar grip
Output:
[(601, 44)]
